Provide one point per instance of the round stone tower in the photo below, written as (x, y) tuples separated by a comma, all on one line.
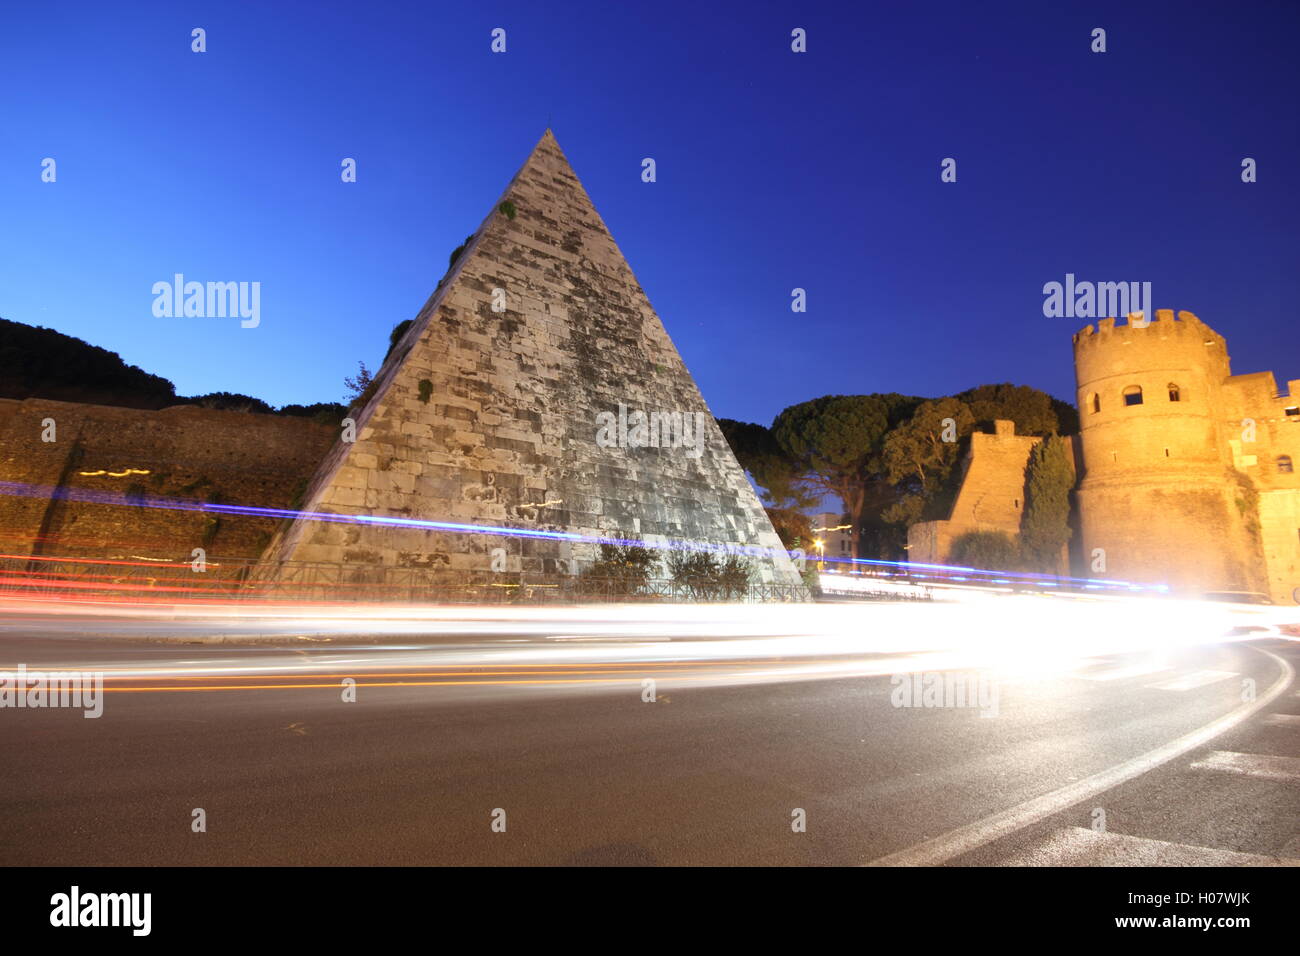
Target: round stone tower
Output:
[(1158, 494)]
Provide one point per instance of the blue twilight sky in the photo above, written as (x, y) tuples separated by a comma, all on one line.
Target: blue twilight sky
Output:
[(775, 170)]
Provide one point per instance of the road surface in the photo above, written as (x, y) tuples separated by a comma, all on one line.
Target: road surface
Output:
[(517, 738)]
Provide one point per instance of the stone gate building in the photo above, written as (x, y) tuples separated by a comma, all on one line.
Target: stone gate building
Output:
[(1186, 472)]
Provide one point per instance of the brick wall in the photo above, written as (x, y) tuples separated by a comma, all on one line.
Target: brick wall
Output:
[(183, 452)]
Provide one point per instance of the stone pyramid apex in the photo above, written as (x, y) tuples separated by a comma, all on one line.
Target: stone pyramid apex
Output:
[(536, 405), (547, 140), (547, 147)]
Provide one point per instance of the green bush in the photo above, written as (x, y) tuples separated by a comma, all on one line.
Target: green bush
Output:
[(456, 253), (426, 390), (364, 398), (1246, 500), (621, 570), (507, 209), (395, 336), (812, 579), (989, 550), (707, 577), (323, 413), (230, 402)]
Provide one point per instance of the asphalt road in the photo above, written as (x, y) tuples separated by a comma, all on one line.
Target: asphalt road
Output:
[(554, 729)]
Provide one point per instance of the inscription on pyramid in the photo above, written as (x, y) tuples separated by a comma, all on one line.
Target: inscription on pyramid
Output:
[(531, 417)]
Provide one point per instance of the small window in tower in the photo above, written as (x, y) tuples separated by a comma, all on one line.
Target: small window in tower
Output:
[(1133, 395), (1175, 395), (1293, 411), (1017, 502), (1166, 452), (1095, 403), (1284, 464)]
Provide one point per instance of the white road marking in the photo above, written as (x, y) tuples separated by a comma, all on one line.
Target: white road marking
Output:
[(1132, 670), (966, 838), (1193, 680), (1251, 765), (1079, 846)]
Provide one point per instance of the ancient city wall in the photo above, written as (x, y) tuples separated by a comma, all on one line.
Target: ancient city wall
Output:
[(1264, 425), (183, 452), (992, 495), (1196, 486)]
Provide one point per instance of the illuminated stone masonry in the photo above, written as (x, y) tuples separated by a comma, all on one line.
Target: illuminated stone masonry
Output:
[(1187, 473), (515, 399)]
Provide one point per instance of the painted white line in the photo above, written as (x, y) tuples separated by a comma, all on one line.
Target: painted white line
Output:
[(1079, 846), (1282, 720), (1251, 765), (964, 839), (1133, 670), (1193, 680)]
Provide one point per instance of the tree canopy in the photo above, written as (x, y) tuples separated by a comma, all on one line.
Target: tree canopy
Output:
[(784, 497), (836, 444), (890, 459), (1034, 412), (37, 362)]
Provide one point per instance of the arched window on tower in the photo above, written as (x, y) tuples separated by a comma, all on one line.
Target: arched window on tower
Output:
[(1175, 393), (1094, 403), (1284, 464), (1133, 395)]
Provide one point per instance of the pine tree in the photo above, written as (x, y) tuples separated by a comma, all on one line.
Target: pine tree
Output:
[(1045, 524)]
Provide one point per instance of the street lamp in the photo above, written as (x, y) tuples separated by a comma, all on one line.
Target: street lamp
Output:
[(821, 545)]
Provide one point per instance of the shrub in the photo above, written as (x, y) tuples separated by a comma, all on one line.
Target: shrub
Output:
[(426, 390), (706, 577), (455, 253), (395, 336), (1246, 500), (231, 402), (733, 578), (812, 580), (323, 413), (360, 388), (990, 550), (623, 570), (507, 209)]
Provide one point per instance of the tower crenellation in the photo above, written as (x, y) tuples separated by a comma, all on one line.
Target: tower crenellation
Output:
[(1159, 493), (1163, 326)]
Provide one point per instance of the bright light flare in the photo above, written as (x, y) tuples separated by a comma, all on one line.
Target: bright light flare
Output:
[(698, 644)]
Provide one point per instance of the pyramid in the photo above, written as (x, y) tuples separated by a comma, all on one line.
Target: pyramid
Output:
[(525, 416)]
